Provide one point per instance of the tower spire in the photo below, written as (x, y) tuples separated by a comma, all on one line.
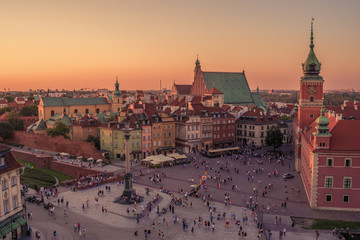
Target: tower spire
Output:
[(312, 34)]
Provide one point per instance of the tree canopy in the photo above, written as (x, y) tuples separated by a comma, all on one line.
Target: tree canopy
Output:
[(31, 110), (5, 109), (94, 140), (6, 130), (274, 137), (14, 121), (10, 98), (59, 129)]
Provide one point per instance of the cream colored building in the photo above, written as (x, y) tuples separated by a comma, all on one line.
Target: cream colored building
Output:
[(11, 223)]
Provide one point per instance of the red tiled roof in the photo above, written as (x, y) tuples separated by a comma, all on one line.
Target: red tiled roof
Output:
[(87, 121), (226, 107), (3, 101), (175, 102), (345, 136), (214, 91), (196, 99), (183, 89), (10, 160), (182, 103)]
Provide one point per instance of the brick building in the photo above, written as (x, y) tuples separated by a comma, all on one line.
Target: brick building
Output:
[(327, 146)]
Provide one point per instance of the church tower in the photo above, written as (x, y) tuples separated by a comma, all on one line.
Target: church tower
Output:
[(311, 88), (117, 100), (199, 87)]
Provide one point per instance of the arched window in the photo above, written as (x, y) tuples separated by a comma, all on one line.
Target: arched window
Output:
[(97, 110), (118, 100), (75, 111), (52, 113), (86, 111), (311, 99)]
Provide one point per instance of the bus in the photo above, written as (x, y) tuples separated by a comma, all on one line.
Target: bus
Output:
[(221, 151)]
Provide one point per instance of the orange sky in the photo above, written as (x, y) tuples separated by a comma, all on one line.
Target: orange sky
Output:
[(86, 43)]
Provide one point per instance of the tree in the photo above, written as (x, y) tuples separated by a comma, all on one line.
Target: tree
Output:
[(5, 109), (59, 129), (284, 118), (6, 130), (10, 98), (31, 110), (94, 140), (274, 137), (31, 97), (14, 121)]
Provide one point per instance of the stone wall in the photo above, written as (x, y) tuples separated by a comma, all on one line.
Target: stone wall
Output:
[(46, 161), (56, 144)]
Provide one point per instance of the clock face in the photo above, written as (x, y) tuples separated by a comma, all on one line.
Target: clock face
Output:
[(312, 89)]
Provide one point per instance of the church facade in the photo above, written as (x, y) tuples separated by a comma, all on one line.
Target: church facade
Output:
[(229, 88)]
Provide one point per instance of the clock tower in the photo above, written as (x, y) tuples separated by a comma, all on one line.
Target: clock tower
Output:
[(311, 88)]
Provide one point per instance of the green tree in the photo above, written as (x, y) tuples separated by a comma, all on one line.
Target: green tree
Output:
[(284, 118), (31, 97), (31, 110), (5, 109), (274, 137), (10, 98), (14, 121), (6, 130), (94, 140), (59, 129)]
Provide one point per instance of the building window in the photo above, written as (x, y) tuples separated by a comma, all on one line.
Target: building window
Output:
[(169, 134), (149, 145), (169, 142), (13, 181), (154, 135), (164, 134), (165, 126), (75, 111), (4, 184), (97, 110), (6, 206), (311, 115), (311, 99), (329, 162), (328, 198), (116, 144), (347, 182), (164, 142), (328, 182), (15, 202), (347, 162), (52, 113), (154, 143), (346, 198), (159, 142), (86, 111)]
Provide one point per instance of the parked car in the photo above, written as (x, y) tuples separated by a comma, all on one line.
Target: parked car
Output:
[(31, 199), (288, 176)]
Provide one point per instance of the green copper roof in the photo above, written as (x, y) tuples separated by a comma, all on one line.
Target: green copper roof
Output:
[(258, 100), (48, 101), (312, 65), (234, 86), (322, 123), (39, 125), (117, 92)]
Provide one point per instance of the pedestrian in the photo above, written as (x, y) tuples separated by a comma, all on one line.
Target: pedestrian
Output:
[(317, 234), (75, 227), (284, 232), (83, 232), (54, 235)]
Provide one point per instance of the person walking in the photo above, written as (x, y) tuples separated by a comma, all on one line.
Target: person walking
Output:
[(317, 234)]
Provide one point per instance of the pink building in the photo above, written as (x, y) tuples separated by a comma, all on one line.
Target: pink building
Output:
[(327, 144)]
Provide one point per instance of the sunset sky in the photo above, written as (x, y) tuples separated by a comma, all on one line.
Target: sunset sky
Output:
[(86, 44)]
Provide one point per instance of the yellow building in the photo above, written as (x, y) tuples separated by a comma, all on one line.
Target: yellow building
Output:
[(112, 140), (12, 225), (50, 106), (162, 131)]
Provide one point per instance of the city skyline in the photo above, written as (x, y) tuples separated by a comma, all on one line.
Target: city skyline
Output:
[(85, 44)]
